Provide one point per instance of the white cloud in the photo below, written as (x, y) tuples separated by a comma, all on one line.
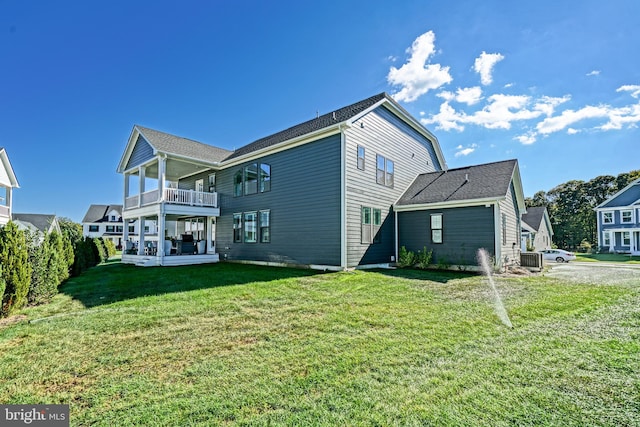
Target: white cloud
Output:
[(570, 117), (593, 73), (547, 104), (484, 66), (508, 85), (465, 151), (446, 119), (416, 77), (526, 139), (634, 89), (469, 95), (572, 131)]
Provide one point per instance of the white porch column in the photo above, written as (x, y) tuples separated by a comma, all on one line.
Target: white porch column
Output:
[(126, 186), (141, 234), (8, 201), (142, 170), (161, 226), (162, 176), (125, 233)]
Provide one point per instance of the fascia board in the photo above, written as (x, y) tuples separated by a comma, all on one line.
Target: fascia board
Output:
[(445, 205)]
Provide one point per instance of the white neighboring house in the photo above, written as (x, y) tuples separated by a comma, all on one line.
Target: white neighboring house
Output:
[(8, 182), (537, 232), (42, 223), (106, 221)]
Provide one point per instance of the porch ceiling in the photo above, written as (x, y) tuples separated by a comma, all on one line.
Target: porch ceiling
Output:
[(175, 169)]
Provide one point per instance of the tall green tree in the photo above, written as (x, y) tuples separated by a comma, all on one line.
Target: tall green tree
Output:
[(16, 270)]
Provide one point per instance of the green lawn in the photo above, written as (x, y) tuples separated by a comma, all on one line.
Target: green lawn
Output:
[(234, 344), (608, 258)]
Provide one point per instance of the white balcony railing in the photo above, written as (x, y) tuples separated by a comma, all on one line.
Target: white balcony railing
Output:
[(4, 210), (173, 196), (190, 197)]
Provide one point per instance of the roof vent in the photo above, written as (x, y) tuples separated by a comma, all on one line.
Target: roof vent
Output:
[(334, 115), (466, 177)]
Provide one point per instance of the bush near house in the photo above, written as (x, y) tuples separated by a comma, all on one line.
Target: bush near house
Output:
[(16, 271)]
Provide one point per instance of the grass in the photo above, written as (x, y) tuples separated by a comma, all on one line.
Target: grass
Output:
[(231, 344), (608, 258)]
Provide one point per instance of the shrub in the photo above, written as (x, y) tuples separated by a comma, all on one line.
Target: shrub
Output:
[(110, 247), (44, 280), (423, 258), (14, 256), (85, 255), (406, 258)]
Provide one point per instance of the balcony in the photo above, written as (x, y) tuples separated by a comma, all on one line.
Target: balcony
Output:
[(172, 196)]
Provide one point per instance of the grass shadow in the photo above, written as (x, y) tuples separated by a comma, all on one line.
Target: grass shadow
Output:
[(112, 281), (440, 276)]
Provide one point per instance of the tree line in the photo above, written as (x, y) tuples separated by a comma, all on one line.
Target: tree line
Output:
[(34, 264), (571, 208)]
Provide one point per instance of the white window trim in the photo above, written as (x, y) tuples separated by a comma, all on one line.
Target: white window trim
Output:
[(604, 220), (628, 242), (631, 219), (606, 235)]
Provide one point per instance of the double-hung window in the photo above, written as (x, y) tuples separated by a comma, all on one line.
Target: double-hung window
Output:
[(606, 238), (385, 170), (436, 228), (237, 184), (626, 238), (94, 228), (360, 157), (626, 217), (607, 217), (265, 227), (111, 228), (251, 179), (250, 227), (237, 228), (265, 177)]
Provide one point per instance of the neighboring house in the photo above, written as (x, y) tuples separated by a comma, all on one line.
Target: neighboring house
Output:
[(454, 213), (106, 221), (8, 182), (320, 193), (618, 220), (537, 232), (42, 223)]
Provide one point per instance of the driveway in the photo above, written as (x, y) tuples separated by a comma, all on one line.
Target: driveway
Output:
[(596, 273)]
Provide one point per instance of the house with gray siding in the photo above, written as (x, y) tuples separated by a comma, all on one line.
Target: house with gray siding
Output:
[(618, 221), (320, 193), (455, 212), (8, 182)]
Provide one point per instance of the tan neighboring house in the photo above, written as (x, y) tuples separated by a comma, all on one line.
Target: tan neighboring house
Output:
[(8, 182), (537, 232)]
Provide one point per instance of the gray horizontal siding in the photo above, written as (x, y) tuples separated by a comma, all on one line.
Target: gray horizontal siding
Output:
[(304, 202), (465, 230), (381, 132), (142, 152), (509, 206)]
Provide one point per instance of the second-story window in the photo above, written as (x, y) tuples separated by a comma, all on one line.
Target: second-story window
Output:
[(93, 228), (360, 157), (251, 179), (607, 217), (237, 183), (110, 229), (385, 170), (626, 216)]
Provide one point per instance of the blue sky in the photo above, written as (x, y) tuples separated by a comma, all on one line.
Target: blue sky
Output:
[(554, 84)]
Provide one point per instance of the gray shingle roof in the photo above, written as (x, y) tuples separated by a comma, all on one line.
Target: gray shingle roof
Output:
[(96, 213), (324, 121), (183, 147), (40, 221), (534, 216), (487, 181)]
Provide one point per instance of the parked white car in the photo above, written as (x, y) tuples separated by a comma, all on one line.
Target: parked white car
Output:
[(558, 255)]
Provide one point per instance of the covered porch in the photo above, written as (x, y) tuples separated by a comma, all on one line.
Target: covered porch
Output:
[(181, 240)]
